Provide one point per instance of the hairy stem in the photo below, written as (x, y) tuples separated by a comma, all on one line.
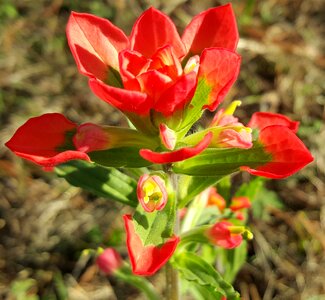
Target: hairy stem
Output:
[(172, 278)]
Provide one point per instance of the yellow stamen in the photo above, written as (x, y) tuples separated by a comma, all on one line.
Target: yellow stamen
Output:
[(232, 107), (152, 192)]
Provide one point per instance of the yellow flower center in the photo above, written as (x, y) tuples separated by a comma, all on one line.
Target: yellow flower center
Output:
[(152, 192)]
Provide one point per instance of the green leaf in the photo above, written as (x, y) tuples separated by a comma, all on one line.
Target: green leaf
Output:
[(194, 268), (251, 189), (233, 260), (154, 228), (192, 186), (261, 197), (221, 162), (194, 110), (203, 292), (263, 200), (101, 181), (224, 187), (127, 157)]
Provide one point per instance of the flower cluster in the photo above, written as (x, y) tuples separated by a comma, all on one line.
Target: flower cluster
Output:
[(162, 82)]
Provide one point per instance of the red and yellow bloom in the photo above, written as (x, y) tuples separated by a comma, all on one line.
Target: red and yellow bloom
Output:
[(151, 192), (225, 235)]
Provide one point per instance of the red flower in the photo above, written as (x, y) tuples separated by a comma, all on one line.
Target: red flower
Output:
[(216, 199), (44, 140), (233, 134), (152, 193), (147, 260), (261, 120), (177, 155), (148, 64), (52, 139), (109, 261), (287, 152), (238, 203), (220, 234)]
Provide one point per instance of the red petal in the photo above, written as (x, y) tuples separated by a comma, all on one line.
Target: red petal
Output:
[(261, 120), (132, 64), (146, 260), (177, 155), (289, 154), (165, 61), (95, 43), (177, 96), (124, 100), (220, 68), (153, 30), (153, 83), (215, 27), (40, 139)]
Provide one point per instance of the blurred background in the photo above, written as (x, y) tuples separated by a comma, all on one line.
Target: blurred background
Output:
[(45, 223)]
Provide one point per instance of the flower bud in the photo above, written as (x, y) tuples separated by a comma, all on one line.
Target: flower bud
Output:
[(225, 117), (109, 261), (216, 199), (222, 234), (238, 203), (167, 137), (152, 193)]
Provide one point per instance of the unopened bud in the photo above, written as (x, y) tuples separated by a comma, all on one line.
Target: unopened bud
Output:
[(109, 261), (167, 136), (225, 235)]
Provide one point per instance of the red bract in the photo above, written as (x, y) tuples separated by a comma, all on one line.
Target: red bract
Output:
[(147, 260), (261, 120), (167, 136), (287, 153), (219, 69), (148, 64), (177, 155), (204, 30), (44, 140), (109, 261), (220, 235)]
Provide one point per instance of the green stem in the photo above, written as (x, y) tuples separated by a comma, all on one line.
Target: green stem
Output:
[(172, 277), (138, 282)]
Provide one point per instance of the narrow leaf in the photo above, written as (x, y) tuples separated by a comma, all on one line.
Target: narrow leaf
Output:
[(194, 268), (101, 181), (233, 260), (127, 157), (221, 162)]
